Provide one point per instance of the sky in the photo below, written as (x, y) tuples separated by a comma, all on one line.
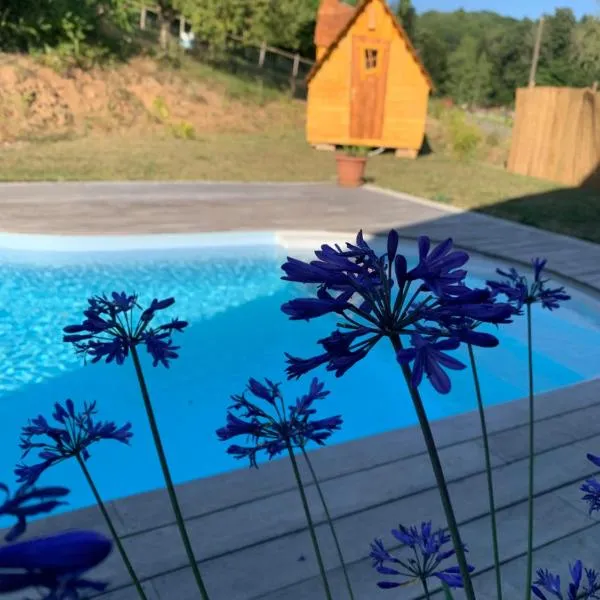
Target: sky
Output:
[(512, 8)]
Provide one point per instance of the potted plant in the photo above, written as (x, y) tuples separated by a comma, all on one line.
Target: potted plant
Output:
[(351, 161)]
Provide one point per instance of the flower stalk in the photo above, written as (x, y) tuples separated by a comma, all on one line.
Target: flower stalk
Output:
[(311, 526), (439, 475), (167, 475), (531, 456), (111, 527), (329, 521), (488, 471)]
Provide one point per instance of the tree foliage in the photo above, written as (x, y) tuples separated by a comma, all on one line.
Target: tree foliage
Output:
[(26, 25), (474, 57), (488, 56), (407, 15)]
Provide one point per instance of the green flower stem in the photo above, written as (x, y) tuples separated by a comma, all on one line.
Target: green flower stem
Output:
[(488, 471), (531, 460), (167, 475), (439, 476), (311, 526), (113, 531), (329, 521)]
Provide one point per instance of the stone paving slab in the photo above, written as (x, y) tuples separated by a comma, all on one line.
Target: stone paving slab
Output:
[(247, 526)]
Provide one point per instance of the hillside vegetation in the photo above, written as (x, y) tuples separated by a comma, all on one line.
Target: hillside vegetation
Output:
[(142, 96), (474, 57)]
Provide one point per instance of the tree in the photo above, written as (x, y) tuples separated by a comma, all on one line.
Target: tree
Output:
[(277, 22), (405, 11), (27, 25), (555, 66), (586, 47), (432, 51), (469, 72), (510, 50)]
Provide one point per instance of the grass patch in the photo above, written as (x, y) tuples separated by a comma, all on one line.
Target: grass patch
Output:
[(233, 81), (285, 156)]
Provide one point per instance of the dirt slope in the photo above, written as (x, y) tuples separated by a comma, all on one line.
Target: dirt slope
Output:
[(39, 102)]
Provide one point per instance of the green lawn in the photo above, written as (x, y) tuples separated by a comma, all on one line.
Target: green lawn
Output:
[(285, 156)]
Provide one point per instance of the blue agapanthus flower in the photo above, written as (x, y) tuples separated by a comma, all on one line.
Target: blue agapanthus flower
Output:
[(428, 307), (29, 501), (519, 290), (276, 429), (55, 564), (591, 487), (74, 434), (115, 325), (429, 548), (547, 585)]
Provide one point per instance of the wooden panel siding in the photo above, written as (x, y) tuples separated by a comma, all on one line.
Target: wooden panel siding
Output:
[(370, 59), (348, 106), (556, 135)]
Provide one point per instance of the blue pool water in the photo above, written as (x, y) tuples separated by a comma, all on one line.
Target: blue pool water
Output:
[(232, 300)]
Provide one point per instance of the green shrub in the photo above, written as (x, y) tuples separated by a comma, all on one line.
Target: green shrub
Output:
[(183, 131), (356, 151), (464, 138), (436, 109), (160, 110), (492, 139)]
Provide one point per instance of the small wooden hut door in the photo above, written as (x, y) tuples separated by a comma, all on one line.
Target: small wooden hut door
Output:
[(369, 78)]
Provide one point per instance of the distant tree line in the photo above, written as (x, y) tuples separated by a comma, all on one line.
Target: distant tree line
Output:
[(473, 57), (482, 57)]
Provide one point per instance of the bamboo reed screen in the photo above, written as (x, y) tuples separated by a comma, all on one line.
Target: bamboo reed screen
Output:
[(556, 135)]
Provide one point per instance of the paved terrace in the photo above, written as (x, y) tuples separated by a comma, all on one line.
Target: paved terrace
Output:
[(247, 527)]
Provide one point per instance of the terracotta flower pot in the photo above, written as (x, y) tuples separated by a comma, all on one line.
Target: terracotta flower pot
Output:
[(350, 170)]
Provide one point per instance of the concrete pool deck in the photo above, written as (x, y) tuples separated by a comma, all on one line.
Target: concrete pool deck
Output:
[(247, 526)]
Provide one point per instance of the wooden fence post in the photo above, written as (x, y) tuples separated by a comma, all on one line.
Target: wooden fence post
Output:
[(595, 86), (263, 52), (295, 68), (536, 53), (143, 18)]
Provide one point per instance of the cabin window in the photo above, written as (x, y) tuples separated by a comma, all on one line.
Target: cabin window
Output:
[(370, 58)]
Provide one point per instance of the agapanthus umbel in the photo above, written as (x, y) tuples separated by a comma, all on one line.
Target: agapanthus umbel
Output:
[(112, 326), (591, 487), (377, 297), (277, 428), (72, 437), (519, 290), (54, 564), (429, 550), (547, 585), (29, 501)]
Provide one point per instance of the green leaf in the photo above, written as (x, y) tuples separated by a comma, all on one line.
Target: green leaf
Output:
[(447, 592)]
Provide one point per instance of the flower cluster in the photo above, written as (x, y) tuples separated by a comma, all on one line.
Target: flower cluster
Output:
[(29, 501), (113, 326), (71, 438), (429, 553), (277, 430), (55, 564), (378, 297), (591, 487), (519, 291), (548, 583)]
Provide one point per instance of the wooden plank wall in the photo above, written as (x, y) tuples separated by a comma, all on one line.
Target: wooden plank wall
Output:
[(556, 135)]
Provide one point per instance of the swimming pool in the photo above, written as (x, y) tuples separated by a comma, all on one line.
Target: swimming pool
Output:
[(231, 295)]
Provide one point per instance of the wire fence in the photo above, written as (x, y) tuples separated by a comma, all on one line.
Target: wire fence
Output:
[(273, 66)]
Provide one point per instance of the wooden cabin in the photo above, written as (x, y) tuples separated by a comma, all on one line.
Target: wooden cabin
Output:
[(368, 86)]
